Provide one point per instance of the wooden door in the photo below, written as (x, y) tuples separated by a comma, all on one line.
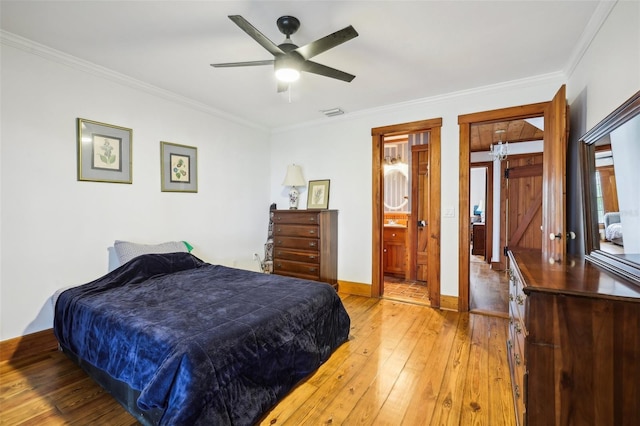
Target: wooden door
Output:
[(420, 210), (524, 201), (554, 177)]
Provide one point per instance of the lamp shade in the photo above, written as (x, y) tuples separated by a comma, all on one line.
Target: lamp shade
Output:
[(294, 176)]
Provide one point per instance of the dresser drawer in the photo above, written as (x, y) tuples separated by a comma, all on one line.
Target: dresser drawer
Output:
[(296, 217), (517, 297), (394, 235), (296, 243), (309, 231), (297, 255), (300, 269)]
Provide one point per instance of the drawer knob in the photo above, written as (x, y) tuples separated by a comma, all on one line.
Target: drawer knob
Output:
[(312, 257), (312, 244), (312, 219), (393, 235), (312, 232), (312, 269)]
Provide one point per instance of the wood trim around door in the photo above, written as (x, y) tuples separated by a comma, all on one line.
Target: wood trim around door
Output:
[(432, 126)]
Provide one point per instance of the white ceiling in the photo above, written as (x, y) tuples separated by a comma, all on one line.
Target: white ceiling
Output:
[(406, 50)]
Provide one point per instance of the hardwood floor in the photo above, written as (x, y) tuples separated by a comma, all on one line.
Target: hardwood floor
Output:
[(404, 364), (488, 289)]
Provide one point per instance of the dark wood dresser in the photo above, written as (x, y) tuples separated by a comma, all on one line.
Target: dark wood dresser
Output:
[(478, 239), (305, 244), (574, 343)]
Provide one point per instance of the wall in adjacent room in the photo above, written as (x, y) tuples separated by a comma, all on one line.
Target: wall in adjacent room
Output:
[(56, 230)]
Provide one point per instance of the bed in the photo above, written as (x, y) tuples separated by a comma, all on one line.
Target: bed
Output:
[(179, 341), (613, 228)]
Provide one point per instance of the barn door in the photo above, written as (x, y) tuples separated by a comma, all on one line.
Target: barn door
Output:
[(524, 201), (420, 210)]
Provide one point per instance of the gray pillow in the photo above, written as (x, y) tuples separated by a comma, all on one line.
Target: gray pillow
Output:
[(125, 250)]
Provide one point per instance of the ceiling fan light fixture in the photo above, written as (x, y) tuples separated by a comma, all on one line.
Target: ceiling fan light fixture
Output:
[(287, 75), (287, 70)]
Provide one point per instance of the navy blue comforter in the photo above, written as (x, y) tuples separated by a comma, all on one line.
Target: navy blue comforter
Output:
[(206, 343)]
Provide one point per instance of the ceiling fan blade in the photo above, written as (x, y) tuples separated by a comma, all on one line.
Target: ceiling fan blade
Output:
[(243, 64), (316, 68), (323, 44), (256, 35)]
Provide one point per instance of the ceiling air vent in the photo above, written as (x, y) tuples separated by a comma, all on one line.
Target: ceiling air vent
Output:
[(332, 112)]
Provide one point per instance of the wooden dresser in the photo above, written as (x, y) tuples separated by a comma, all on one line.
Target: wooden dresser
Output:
[(305, 244), (478, 239), (574, 343)]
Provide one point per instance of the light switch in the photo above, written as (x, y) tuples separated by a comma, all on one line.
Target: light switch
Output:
[(449, 212)]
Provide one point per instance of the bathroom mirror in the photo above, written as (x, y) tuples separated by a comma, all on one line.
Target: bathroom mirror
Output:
[(396, 187), (611, 171)]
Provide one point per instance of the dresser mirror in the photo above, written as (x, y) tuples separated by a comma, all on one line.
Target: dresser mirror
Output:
[(611, 164)]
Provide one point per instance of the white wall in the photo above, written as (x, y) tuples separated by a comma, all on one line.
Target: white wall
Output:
[(477, 187), (605, 76), (340, 149), (56, 230)]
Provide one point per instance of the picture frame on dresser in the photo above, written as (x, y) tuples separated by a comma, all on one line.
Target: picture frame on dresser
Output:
[(178, 167), (104, 152), (318, 194)]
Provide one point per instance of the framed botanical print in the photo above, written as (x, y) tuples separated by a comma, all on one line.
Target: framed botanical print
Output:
[(104, 152), (318, 194), (178, 167)]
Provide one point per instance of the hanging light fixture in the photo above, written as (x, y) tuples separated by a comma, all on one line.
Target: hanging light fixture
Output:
[(499, 152)]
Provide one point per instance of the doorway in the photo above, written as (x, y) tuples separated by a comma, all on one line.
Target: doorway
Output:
[(555, 115), (429, 259)]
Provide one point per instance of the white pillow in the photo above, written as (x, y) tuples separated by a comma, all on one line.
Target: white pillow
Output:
[(126, 250)]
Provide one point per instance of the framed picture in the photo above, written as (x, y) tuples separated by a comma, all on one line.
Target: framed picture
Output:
[(318, 194), (104, 152), (179, 167)]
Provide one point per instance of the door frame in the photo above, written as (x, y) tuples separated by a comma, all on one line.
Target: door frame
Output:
[(433, 126), (465, 122)]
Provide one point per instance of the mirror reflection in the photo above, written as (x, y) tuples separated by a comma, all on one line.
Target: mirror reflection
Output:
[(396, 175), (612, 190), (617, 174)]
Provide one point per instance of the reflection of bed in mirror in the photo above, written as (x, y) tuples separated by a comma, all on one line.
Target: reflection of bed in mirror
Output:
[(613, 228)]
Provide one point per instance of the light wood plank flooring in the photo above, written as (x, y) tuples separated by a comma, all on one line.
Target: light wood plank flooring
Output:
[(404, 364), (488, 289)]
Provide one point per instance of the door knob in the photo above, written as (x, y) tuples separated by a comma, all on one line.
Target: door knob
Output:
[(422, 223)]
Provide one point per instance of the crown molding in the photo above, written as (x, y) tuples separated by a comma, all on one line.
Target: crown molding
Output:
[(37, 49), (482, 90), (598, 18)]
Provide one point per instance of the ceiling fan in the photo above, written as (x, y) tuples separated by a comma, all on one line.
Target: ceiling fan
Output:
[(290, 59)]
